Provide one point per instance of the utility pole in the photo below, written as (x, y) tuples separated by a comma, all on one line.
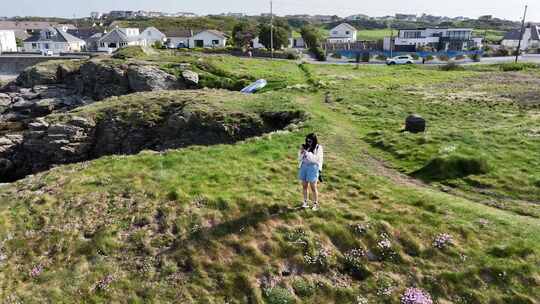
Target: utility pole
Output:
[(521, 34), (271, 29), (391, 39)]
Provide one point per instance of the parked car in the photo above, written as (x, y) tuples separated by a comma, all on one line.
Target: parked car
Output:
[(405, 59)]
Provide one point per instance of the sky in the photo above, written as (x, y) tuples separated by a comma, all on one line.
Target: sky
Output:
[(507, 9)]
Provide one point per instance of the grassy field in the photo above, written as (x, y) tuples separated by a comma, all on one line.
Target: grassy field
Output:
[(373, 35), (218, 224)]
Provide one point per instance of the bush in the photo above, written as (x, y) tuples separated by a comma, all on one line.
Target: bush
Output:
[(415, 56), (451, 66), (443, 57), (449, 167), (475, 57), (501, 52), (278, 295), (365, 57), (429, 57), (291, 56), (303, 288), (319, 53), (512, 67)]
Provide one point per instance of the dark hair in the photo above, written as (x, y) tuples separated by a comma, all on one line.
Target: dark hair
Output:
[(314, 142)]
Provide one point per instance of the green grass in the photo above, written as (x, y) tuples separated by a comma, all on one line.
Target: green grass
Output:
[(216, 224), (374, 34)]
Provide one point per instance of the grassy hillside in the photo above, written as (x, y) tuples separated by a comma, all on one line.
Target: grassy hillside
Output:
[(219, 224)]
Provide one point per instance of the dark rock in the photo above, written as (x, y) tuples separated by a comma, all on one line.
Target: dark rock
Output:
[(100, 80), (149, 78), (191, 79), (415, 124)]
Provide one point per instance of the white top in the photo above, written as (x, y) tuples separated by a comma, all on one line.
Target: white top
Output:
[(315, 157)]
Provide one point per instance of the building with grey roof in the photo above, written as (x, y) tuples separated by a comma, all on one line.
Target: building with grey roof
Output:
[(531, 38), (55, 40)]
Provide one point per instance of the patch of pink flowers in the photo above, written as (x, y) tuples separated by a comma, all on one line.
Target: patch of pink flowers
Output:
[(415, 296), (443, 240), (104, 283), (36, 271)]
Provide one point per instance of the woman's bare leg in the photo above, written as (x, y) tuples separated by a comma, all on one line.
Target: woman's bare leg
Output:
[(305, 191), (315, 192)]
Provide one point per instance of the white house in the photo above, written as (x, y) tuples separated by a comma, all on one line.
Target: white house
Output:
[(178, 38), (54, 39), (531, 38), (208, 39), (152, 35), (343, 33), (441, 39), (8, 42), (118, 38)]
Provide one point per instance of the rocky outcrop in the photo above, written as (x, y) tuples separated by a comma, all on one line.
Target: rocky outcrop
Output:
[(73, 138), (143, 78), (23, 104), (99, 79), (49, 72)]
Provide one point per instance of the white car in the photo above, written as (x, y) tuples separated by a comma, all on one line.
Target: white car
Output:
[(405, 59)]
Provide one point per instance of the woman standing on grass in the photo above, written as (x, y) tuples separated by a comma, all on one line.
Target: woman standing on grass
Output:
[(310, 157)]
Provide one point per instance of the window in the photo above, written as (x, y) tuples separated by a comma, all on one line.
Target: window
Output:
[(348, 32), (334, 33), (102, 44), (412, 34), (215, 42), (34, 45)]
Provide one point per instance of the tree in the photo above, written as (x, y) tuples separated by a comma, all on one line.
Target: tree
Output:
[(281, 36), (243, 33), (311, 35)]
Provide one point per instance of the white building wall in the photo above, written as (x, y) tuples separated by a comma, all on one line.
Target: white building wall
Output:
[(209, 40), (151, 35), (513, 44), (8, 43), (342, 33)]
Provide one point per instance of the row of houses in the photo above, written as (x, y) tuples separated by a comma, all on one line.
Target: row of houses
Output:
[(410, 40), (61, 39)]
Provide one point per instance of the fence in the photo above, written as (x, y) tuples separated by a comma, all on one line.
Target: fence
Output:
[(352, 54)]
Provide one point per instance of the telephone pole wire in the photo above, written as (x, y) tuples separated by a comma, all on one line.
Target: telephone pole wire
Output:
[(521, 34)]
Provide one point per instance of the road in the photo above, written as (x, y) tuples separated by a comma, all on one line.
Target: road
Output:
[(533, 58)]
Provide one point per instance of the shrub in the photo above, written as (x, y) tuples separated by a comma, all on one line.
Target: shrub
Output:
[(456, 166), (451, 66), (512, 67), (354, 265), (365, 57), (501, 52), (443, 57), (475, 57), (429, 57), (303, 288), (319, 53), (415, 56), (278, 295), (291, 56)]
